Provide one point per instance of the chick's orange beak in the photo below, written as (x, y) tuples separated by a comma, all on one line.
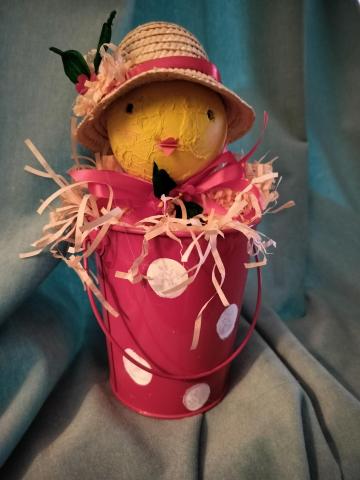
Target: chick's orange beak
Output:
[(168, 145)]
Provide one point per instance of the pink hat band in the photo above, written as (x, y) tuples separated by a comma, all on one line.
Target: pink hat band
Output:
[(188, 63)]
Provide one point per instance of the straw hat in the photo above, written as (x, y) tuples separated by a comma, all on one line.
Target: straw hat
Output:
[(160, 51)]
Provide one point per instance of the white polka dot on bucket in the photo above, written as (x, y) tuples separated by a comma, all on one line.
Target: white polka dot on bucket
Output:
[(196, 396), (164, 274), (140, 376), (226, 322)]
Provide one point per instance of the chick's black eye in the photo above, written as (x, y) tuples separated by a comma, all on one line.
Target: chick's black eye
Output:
[(210, 114), (129, 108)]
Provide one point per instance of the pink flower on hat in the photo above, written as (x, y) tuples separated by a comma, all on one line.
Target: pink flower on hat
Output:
[(82, 79), (112, 73)]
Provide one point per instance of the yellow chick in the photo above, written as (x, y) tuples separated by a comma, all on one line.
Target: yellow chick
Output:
[(179, 125)]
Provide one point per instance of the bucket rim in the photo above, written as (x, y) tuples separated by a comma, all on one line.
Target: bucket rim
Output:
[(178, 233)]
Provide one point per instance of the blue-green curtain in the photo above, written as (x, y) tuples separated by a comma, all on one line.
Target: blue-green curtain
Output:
[(293, 408)]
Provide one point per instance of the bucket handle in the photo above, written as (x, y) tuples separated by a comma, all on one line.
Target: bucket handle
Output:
[(167, 375)]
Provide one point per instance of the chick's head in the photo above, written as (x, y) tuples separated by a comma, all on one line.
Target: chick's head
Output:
[(178, 124)]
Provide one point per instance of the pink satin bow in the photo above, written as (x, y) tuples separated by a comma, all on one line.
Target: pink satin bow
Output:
[(137, 194)]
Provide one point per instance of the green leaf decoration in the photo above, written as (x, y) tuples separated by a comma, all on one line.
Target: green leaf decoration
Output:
[(105, 37), (192, 209), (162, 182), (74, 63)]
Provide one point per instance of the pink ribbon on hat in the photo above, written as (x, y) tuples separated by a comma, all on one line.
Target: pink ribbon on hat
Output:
[(192, 63), (188, 63)]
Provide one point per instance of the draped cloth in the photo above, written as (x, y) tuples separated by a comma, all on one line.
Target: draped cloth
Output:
[(293, 409)]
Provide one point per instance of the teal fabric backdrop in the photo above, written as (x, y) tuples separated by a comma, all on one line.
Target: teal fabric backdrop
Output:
[(293, 410)]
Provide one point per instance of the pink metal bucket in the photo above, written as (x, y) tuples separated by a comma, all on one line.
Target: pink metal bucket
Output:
[(152, 367)]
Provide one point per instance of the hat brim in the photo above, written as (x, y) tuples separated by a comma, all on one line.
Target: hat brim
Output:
[(92, 132)]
